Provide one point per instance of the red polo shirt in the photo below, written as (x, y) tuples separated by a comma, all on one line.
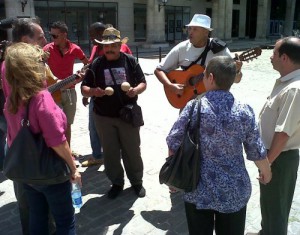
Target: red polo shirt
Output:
[(96, 51), (60, 64)]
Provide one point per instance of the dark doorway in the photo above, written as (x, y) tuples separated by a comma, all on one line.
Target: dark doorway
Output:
[(235, 23), (251, 18)]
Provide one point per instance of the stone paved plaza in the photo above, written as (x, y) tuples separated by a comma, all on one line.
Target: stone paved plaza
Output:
[(159, 212)]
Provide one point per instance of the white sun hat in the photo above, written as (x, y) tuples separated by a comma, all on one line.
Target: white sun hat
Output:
[(200, 20)]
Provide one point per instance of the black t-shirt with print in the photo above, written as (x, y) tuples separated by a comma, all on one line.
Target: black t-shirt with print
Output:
[(125, 69)]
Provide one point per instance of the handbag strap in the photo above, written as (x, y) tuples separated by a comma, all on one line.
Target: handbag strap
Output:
[(196, 128), (198, 121), (25, 120), (195, 101)]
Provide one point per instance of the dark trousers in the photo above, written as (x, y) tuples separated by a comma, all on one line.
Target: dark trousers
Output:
[(23, 206), (57, 197), (276, 197), (203, 222), (24, 210), (2, 139), (120, 139)]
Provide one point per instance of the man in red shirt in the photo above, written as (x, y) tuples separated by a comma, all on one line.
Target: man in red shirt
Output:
[(63, 54), (95, 32)]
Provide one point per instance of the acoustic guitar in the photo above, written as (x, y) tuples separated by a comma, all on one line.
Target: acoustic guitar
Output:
[(192, 79), (54, 87)]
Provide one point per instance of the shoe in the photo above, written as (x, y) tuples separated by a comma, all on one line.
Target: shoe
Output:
[(114, 191), (252, 233), (92, 162), (139, 190)]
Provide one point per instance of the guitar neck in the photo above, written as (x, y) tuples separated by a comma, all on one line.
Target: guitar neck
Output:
[(61, 84)]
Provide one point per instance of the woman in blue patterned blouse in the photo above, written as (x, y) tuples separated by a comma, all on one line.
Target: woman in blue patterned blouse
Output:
[(226, 126)]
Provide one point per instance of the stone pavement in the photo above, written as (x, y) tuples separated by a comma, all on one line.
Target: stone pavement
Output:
[(159, 212)]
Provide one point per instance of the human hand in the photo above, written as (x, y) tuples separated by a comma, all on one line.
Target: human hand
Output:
[(177, 88), (85, 101), (132, 92), (238, 63), (79, 77), (76, 178), (170, 153), (265, 178), (98, 92)]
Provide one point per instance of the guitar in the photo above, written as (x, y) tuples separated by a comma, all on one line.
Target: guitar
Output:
[(55, 87), (192, 79)]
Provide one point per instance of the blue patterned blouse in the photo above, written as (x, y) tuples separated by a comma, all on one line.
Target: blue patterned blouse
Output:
[(226, 126)]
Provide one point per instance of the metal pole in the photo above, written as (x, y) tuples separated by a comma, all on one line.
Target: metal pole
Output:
[(137, 53), (159, 51)]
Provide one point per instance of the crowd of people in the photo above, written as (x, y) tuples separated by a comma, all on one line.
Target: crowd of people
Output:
[(113, 79)]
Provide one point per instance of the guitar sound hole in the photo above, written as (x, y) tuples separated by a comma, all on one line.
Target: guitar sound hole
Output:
[(178, 96)]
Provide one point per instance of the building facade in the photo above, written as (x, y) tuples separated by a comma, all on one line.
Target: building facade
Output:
[(157, 21)]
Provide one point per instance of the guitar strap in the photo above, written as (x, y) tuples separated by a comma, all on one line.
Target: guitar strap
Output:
[(202, 57)]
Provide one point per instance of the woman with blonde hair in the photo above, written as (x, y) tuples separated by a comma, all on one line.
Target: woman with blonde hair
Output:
[(26, 75)]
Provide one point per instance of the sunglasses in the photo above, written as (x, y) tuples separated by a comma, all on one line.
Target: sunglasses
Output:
[(110, 37), (54, 36)]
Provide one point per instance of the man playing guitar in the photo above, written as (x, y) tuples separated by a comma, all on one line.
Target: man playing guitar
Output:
[(198, 49), (63, 54)]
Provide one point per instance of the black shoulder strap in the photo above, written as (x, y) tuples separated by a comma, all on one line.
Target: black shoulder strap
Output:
[(92, 67), (132, 61), (202, 56)]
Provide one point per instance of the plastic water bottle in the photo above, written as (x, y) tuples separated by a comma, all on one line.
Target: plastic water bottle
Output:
[(76, 197)]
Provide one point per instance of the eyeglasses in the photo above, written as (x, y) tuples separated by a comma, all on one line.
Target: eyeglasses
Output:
[(54, 36), (110, 37)]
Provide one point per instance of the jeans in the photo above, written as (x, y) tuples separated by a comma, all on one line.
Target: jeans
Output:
[(94, 138), (57, 197), (23, 207)]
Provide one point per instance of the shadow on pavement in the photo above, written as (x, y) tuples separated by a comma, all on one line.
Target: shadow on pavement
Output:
[(99, 212), (10, 221), (173, 221)]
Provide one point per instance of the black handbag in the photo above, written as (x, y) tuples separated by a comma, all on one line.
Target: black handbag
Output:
[(182, 169), (132, 113), (29, 160)]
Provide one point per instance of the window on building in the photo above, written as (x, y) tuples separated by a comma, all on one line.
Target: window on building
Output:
[(140, 22), (77, 15)]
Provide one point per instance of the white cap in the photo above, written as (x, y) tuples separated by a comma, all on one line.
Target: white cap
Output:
[(200, 20)]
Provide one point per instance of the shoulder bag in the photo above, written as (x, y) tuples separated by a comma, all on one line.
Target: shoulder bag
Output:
[(182, 169), (29, 160)]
